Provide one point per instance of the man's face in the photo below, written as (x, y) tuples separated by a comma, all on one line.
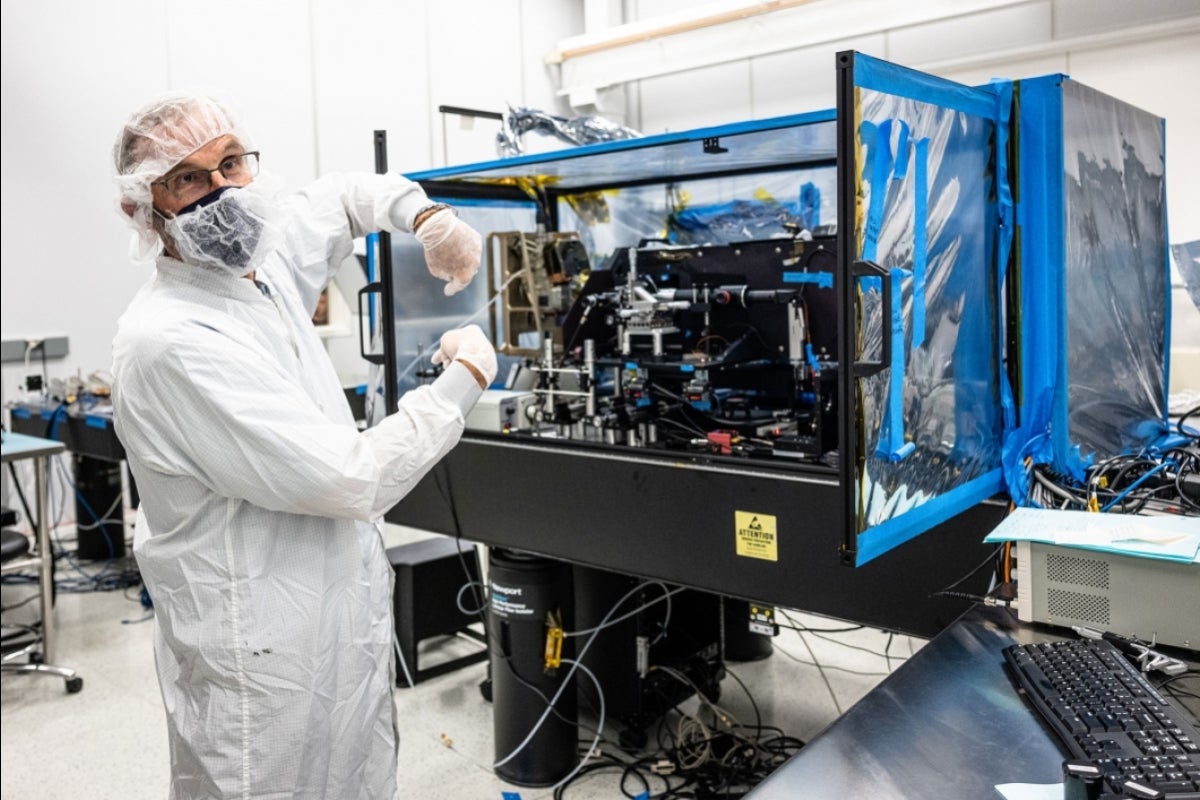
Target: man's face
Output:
[(206, 169)]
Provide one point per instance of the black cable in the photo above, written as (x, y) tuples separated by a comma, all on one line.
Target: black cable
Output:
[(1191, 412), (1177, 694), (995, 554), (447, 493), (17, 605), (727, 777), (12, 470), (806, 629), (843, 644)]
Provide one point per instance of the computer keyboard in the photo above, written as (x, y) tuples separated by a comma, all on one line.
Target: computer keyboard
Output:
[(1105, 711)]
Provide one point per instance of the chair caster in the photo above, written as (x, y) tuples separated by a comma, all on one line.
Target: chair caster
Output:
[(74, 685)]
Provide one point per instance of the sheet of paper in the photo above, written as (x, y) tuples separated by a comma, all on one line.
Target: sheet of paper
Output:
[(1170, 537), (1031, 791)]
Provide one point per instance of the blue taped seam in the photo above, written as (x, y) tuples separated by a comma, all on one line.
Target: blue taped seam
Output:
[(881, 76), (823, 280), (372, 250), (878, 539)]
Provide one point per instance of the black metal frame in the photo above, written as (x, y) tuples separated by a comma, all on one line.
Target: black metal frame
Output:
[(849, 446), (391, 377), (661, 519), (671, 517)]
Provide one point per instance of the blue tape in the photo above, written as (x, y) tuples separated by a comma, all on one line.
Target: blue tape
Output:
[(877, 540), (94, 421), (510, 795), (920, 240), (810, 205), (550, 164), (823, 280), (880, 161), (21, 413), (878, 166), (372, 269), (901, 166), (1040, 217), (891, 444), (881, 76), (811, 358), (687, 367), (475, 202), (1005, 212)]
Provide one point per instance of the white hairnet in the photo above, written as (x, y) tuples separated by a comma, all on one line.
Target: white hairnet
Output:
[(156, 138)]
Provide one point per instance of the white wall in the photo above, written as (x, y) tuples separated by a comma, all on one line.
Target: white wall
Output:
[(313, 79)]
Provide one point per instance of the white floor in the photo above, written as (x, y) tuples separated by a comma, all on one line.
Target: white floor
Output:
[(109, 740)]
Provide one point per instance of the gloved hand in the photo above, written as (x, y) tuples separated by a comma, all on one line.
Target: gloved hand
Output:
[(452, 249), (470, 346)]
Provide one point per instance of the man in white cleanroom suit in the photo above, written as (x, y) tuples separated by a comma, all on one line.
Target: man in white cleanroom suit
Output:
[(258, 535)]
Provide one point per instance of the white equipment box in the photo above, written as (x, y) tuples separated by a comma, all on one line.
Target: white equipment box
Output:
[(500, 410), (1147, 598)]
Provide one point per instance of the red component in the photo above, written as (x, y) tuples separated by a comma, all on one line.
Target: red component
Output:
[(721, 441)]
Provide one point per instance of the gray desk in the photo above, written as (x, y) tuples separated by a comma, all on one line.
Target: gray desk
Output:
[(947, 725), (17, 447)]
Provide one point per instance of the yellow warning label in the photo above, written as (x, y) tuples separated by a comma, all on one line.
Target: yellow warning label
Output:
[(756, 535)]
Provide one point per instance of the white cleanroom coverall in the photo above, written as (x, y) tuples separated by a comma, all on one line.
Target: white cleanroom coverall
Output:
[(258, 534)]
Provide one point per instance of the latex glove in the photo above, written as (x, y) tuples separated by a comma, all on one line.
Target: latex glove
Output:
[(471, 346), (452, 249)]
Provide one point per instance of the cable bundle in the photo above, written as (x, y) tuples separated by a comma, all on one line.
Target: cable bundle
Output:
[(1155, 480)]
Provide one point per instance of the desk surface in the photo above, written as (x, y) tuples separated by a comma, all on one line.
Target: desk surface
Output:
[(15, 446), (947, 724)]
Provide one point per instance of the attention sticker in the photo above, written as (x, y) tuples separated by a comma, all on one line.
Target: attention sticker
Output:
[(756, 535)]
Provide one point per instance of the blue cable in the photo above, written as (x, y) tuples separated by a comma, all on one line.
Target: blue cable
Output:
[(1135, 484)]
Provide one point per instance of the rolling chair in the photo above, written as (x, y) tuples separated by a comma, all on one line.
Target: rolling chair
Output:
[(21, 645)]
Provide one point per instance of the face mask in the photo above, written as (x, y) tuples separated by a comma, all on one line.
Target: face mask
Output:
[(230, 228)]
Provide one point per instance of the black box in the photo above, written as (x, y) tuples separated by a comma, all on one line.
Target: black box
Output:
[(429, 575)]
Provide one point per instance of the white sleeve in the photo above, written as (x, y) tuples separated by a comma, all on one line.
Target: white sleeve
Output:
[(390, 438), (325, 218), (220, 411)]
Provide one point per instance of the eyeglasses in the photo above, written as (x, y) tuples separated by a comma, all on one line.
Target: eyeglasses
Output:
[(195, 183)]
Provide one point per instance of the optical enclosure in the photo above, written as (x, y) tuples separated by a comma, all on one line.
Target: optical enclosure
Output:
[(754, 359)]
